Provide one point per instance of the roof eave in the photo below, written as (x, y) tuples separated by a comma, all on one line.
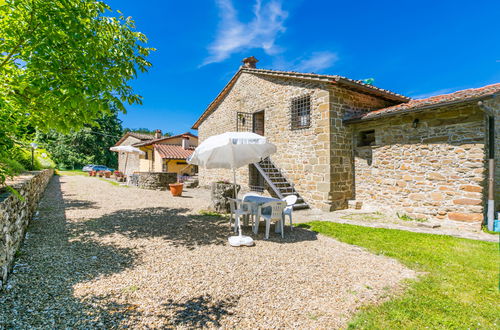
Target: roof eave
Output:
[(334, 79), (379, 92), (416, 110)]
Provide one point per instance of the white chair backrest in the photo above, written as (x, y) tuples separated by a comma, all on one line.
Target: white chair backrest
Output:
[(276, 209), (250, 194), (290, 200)]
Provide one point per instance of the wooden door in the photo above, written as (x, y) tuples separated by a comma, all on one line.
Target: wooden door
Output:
[(258, 123)]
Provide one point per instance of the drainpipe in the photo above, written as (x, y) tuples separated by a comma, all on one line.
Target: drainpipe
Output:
[(491, 164)]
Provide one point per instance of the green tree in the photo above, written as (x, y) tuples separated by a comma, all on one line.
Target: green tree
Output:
[(89, 145), (144, 131), (63, 65)]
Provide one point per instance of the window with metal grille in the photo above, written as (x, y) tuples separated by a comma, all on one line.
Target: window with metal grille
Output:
[(301, 112), (244, 122)]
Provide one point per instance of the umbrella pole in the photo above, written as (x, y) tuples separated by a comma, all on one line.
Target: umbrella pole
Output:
[(234, 184), (125, 169), (236, 197)]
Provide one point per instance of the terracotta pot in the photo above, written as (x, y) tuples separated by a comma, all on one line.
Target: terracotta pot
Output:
[(176, 189), (107, 174), (101, 174), (90, 173)]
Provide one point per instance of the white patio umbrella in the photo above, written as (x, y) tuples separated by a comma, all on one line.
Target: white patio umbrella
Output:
[(232, 150), (128, 150)]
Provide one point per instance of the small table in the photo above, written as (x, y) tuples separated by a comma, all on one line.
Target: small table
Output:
[(260, 200)]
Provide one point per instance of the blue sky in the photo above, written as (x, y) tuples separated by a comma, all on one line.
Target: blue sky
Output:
[(416, 48)]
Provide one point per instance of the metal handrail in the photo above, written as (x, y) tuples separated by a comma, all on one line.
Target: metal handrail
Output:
[(268, 180)]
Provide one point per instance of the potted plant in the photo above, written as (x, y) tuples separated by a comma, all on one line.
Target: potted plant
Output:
[(107, 174), (101, 173), (176, 188)]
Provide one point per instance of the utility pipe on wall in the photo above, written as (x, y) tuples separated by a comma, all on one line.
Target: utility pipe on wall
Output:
[(491, 164)]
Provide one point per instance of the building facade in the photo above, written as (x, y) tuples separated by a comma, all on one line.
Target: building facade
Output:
[(341, 140), (162, 153)]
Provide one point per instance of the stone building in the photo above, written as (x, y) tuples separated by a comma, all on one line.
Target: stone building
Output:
[(339, 140), (162, 153)]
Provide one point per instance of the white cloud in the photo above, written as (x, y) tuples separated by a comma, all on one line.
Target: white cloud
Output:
[(235, 36), (316, 62)]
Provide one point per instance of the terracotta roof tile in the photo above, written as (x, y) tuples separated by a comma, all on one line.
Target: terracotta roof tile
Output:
[(140, 136), (171, 151), (332, 78), (341, 81), (434, 101), (163, 138)]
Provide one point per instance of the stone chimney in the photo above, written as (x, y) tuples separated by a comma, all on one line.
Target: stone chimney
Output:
[(250, 62), (185, 142), (158, 134)]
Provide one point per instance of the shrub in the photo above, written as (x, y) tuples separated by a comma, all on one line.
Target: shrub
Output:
[(13, 167)]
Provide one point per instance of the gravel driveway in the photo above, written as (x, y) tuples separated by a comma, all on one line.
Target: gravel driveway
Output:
[(99, 255)]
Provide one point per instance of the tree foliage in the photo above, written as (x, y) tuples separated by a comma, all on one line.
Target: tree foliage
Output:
[(89, 145), (145, 131), (63, 65)]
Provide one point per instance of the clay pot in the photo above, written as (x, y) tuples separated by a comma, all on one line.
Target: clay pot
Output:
[(101, 174), (90, 173), (107, 174), (176, 189)]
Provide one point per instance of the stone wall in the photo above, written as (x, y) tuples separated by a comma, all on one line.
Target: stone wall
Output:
[(302, 154), (317, 159), (156, 180), (15, 214), (434, 171), (345, 104)]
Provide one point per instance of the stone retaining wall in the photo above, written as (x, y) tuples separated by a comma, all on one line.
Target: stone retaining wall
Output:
[(156, 180), (15, 214)]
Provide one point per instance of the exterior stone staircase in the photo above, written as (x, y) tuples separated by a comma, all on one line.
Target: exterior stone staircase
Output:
[(278, 184)]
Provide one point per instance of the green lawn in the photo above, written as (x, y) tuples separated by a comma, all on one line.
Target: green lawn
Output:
[(71, 172), (459, 289)]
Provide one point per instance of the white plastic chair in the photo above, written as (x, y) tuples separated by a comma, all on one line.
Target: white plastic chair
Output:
[(276, 215), (290, 201), (238, 209), (252, 193)]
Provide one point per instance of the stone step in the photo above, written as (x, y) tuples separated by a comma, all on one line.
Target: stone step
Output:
[(300, 206)]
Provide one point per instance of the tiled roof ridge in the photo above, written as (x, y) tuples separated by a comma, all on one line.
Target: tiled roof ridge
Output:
[(163, 138), (327, 77), (457, 97), (143, 136), (140, 136)]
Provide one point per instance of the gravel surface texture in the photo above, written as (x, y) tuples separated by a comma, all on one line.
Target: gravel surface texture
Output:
[(102, 256)]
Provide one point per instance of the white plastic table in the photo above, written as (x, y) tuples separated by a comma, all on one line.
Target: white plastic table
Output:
[(260, 200)]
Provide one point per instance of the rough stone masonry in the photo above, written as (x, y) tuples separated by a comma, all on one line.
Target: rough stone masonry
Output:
[(429, 163), (16, 213)]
